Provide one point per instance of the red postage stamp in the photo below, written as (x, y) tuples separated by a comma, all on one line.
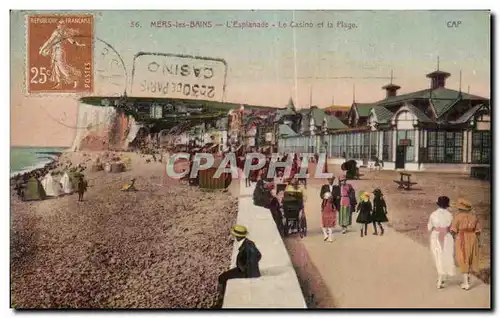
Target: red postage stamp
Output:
[(60, 53)]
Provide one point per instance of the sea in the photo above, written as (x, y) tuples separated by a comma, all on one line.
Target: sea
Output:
[(25, 159)]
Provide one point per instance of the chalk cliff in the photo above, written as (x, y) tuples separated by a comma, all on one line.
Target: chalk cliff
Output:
[(102, 128)]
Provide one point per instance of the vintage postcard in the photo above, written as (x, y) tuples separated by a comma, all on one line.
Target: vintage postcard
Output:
[(250, 159)]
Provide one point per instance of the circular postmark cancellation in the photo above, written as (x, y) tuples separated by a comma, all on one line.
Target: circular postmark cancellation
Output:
[(59, 53), (110, 80)]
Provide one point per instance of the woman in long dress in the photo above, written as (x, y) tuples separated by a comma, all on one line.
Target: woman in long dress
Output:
[(441, 240), (61, 70), (345, 213), (379, 214), (466, 228), (328, 216)]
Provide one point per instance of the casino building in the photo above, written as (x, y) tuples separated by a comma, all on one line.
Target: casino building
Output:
[(436, 128)]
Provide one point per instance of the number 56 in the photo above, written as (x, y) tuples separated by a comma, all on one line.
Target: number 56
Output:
[(39, 76)]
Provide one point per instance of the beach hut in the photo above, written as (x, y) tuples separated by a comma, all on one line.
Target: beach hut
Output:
[(34, 190), (51, 187), (66, 185)]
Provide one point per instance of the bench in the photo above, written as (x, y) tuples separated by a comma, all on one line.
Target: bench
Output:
[(405, 181), (481, 173)]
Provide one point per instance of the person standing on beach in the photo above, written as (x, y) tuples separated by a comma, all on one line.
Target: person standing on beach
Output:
[(82, 187), (466, 229), (379, 211), (365, 210), (247, 261), (441, 240)]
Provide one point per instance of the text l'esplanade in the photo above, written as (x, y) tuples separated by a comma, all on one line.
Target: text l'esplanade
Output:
[(247, 24), (48, 20)]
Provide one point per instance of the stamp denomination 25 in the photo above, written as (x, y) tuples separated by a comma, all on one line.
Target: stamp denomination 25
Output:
[(59, 49)]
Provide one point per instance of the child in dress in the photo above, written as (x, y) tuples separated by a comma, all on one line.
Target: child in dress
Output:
[(379, 214), (365, 211), (328, 216)]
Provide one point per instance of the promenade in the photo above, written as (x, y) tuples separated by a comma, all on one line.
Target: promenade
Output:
[(390, 271)]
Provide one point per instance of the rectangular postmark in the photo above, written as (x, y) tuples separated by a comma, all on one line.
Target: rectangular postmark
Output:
[(60, 53), (167, 75)]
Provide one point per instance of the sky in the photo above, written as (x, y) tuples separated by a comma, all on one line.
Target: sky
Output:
[(267, 66)]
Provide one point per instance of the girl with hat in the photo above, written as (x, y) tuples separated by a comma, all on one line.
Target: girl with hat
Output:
[(328, 216), (379, 211), (466, 229), (441, 241), (365, 211)]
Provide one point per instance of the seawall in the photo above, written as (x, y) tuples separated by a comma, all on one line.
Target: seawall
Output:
[(278, 286)]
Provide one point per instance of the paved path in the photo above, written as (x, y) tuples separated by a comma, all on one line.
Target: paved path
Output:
[(390, 271)]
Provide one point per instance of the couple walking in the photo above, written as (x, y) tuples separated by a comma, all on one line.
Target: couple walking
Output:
[(454, 238), (341, 198)]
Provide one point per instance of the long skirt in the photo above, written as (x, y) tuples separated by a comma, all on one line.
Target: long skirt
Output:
[(443, 254), (467, 252), (328, 216), (345, 217)]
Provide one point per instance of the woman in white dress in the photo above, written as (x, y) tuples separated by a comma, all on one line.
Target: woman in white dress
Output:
[(441, 240)]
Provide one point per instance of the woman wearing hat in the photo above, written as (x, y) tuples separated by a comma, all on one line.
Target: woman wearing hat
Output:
[(365, 211), (328, 216), (247, 261), (347, 203), (466, 229), (441, 241)]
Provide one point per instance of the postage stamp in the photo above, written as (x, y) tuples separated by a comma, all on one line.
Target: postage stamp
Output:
[(59, 53)]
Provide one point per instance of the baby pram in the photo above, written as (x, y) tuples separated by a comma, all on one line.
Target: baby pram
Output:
[(293, 214)]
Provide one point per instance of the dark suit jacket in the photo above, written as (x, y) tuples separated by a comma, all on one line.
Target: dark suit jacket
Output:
[(248, 259), (335, 193)]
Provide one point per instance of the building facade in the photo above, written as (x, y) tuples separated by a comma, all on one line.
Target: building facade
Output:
[(432, 129)]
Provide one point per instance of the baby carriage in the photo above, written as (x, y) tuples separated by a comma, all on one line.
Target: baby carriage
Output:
[(293, 214)]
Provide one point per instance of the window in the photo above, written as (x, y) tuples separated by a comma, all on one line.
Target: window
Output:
[(387, 146), (444, 147), (481, 147), (366, 145), (374, 144)]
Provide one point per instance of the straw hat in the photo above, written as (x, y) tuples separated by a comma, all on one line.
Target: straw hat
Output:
[(463, 205), (239, 231)]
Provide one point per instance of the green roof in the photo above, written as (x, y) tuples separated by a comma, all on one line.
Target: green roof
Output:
[(468, 114), (333, 122), (442, 99), (383, 114), (419, 114), (364, 108), (286, 131)]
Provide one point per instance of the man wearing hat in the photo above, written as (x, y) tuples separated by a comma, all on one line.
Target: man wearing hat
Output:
[(441, 241), (466, 227), (247, 261)]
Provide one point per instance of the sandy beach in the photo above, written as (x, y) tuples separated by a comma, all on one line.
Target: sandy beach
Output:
[(162, 246)]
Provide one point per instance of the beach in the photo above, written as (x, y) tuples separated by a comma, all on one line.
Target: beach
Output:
[(162, 246)]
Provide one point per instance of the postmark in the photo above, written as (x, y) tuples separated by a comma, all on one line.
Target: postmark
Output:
[(110, 85), (180, 76), (59, 53)]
